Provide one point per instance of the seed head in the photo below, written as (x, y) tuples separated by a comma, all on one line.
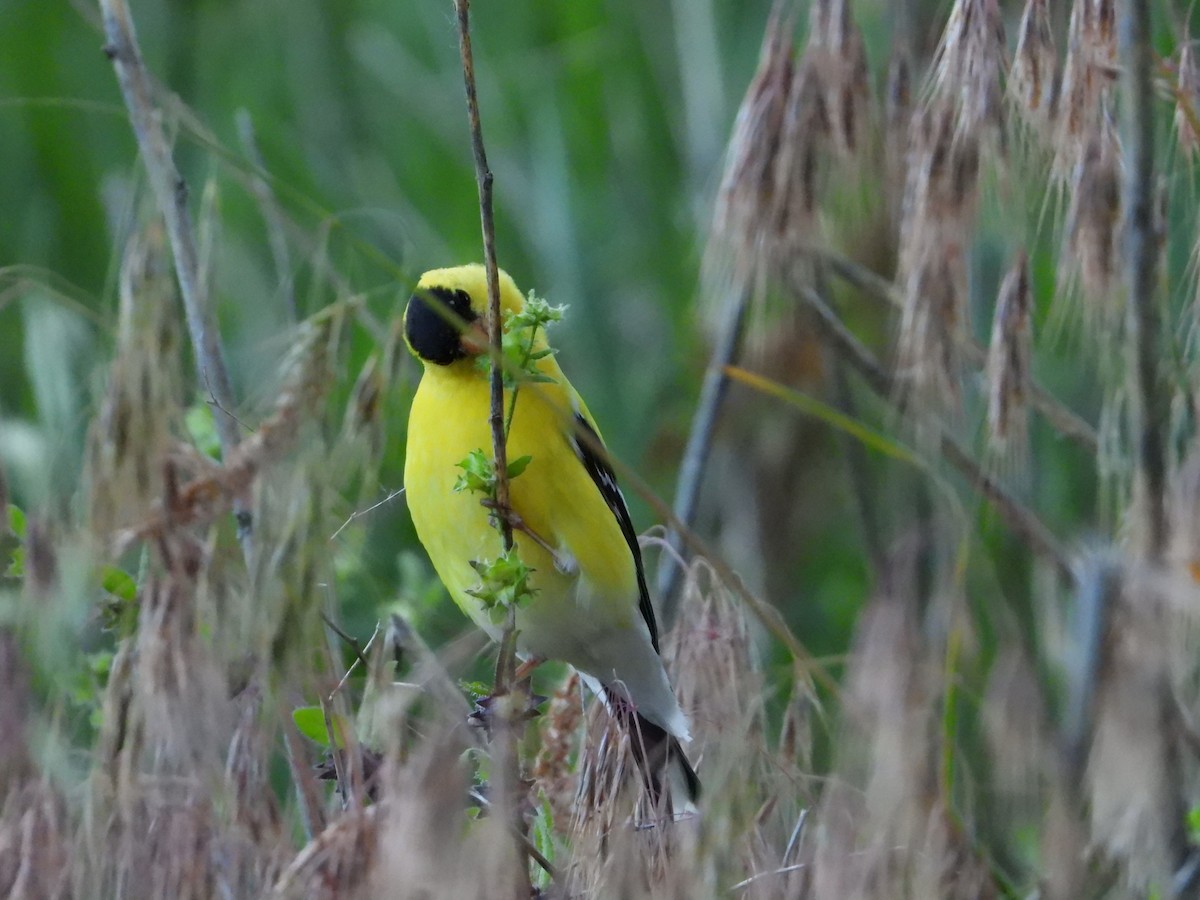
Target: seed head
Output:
[(970, 64), (743, 220), (1091, 260), (1033, 82), (1089, 75), (837, 54), (1008, 358)]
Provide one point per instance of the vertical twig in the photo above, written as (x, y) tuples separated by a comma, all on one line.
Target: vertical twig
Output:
[(171, 192), (1148, 405), (695, 455), (1141, 249), (509, 697), (483, 179)]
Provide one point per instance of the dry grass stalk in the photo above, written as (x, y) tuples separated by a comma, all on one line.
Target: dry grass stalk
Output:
[(201, 499), (337, 863), (16, 706), (937, 218), (1090, 260), (1014, 718), (970, 64), (1033, 80), (36, 844), (1089, 76), (1136, 805), (1184, 551), (554, 775), (141, 410), (928, 361), (885, 750), (898, 113), (838, 58), (1187, 102), (1008, 361), (743, 220)]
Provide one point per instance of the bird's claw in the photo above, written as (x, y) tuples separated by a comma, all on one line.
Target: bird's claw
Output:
[(486, 710)]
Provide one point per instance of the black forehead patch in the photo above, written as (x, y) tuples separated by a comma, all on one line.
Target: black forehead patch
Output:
[(434, 321)]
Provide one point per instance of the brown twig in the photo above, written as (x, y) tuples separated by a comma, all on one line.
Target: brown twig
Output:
[(511, 702), (172, 194), (1147, 407), (483, 179)]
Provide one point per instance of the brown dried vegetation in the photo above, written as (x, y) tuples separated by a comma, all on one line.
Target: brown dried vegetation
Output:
[(1047, 743)]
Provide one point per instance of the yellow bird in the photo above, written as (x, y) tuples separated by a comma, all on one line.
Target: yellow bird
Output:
[(590, 606)]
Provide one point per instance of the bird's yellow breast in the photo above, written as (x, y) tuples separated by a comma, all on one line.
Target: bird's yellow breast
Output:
[(592, 586)]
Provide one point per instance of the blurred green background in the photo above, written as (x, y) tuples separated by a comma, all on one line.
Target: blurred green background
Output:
[(605, 125)]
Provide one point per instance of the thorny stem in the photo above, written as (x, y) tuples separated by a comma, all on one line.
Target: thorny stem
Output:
[(509, 707), (695, 455), (1141, 249), (172, 194)]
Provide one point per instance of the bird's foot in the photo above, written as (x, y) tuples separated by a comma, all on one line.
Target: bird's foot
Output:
[(514, 707)]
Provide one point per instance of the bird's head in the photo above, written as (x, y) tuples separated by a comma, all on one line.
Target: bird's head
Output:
[(446, 316)]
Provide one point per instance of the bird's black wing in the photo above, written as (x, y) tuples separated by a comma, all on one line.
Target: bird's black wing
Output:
[(589, 448)]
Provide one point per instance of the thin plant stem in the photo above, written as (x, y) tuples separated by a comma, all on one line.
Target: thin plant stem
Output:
[(171, 192), (1147, 407), (511, 702), (483, 180)]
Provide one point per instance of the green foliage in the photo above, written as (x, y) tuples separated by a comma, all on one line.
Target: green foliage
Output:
[(310, 721), (503, 583), (479, 473), (14, 565), (519, 359), (202, 429)]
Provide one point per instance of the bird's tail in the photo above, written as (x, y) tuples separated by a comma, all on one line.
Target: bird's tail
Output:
[(659, 757)]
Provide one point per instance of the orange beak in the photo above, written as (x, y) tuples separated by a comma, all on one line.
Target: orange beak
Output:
[(475, 338)]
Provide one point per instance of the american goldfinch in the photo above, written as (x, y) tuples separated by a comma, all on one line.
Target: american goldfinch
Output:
[(590, 606)]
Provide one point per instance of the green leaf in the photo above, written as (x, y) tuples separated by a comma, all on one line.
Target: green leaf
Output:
[(310, 722), (503, 581), (1193, 824), (16, 564), (518, 465), (479, 476), (203, 429), (476, 689), (119, 583), (16, 521)]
